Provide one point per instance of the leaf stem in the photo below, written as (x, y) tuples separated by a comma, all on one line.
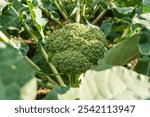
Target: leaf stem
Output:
[(99, 16), (49, 15), (48, 85), (61, 9), (83, 8), (78, 11), (44, 76), (58, 77), (96, 10), (30, 32), (31, 63), (125, 31), (4, 38)]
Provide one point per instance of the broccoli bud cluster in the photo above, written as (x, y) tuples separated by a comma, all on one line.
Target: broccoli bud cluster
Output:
[(75, 47)]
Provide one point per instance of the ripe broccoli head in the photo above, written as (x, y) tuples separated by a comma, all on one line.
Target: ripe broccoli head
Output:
[(76, 47)]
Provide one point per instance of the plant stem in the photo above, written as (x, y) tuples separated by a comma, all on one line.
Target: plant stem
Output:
[(69, 78), (48, 85), (52, 81), (78, 11), (58, 77), (83, 8), (32, 63), (30, 32), (44, 76), (102, 13), (49, 15), (4, 38), (99, 16), (61, 82), (73, 79), (96, 10), (61, 9), (45, 56), (125, 31)]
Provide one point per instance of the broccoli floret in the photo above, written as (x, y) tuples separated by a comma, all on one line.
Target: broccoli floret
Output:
[(75, 47), (71, 61)]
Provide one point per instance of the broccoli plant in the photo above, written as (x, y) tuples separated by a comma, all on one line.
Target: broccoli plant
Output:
[(75, 48)]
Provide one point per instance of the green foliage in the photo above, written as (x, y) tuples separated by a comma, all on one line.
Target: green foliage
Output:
[(17, 80), (122, 53), (36, 14), (143, 65), (121, 12), (120, 84), (143, 19), (76, 47), (73, 48), (144, 43), (9, 19), (146, 6)]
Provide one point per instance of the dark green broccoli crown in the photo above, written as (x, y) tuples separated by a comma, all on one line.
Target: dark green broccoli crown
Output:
[(76, 47)]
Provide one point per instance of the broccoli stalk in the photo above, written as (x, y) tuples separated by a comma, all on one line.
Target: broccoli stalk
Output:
[(75, 48)]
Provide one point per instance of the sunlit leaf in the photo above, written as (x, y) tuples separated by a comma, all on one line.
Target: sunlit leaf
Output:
[(113, 83), (143, 19)]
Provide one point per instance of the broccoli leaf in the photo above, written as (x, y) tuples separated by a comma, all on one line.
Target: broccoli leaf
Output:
[(17, 79), (49, 8), (113, 83), (122, 53), (143, 65), (9, 19), (144, 43), (143, 19), (36, 14), (146, 6)]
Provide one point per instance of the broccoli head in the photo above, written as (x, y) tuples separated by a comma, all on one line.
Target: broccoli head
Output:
[(75, 47)]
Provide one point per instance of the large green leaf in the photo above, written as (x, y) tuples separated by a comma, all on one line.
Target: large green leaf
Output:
[(122, 53), (113, 83), (17, 79)]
